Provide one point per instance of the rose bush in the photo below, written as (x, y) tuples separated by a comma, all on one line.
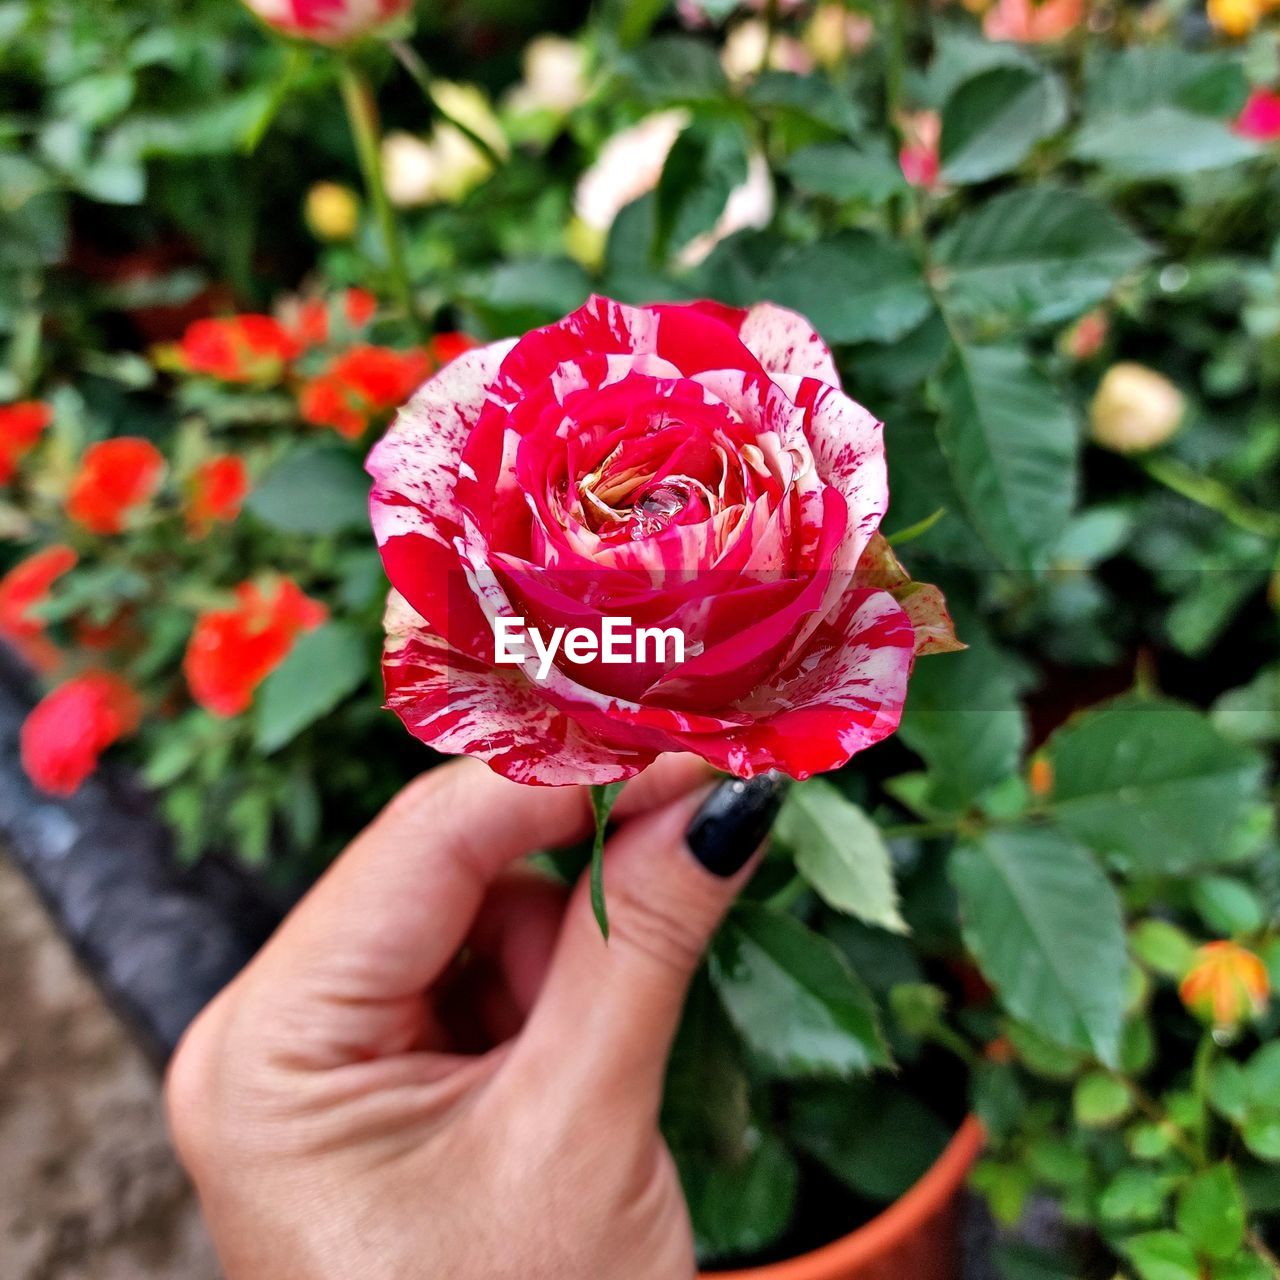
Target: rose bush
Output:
[(690, 466)]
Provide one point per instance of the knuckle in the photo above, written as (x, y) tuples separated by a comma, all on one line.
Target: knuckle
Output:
[(191, 1087), (654, 925)]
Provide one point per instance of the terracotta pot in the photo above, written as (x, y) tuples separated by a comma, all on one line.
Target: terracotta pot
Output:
[(915, 1238)]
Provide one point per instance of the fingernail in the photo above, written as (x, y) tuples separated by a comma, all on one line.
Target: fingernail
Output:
[(733, 820)]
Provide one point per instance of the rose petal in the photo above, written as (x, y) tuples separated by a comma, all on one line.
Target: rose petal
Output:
[(413, 505), (461, 705)]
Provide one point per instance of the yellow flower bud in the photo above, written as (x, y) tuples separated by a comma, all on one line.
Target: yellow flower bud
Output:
[(1226, 985), (1135, 409), (332, 211)]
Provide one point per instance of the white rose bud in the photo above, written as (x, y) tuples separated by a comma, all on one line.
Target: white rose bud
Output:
[(1135, 409), (555, 77)]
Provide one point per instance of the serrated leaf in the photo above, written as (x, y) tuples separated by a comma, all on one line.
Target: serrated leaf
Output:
[(676, 69), (793, 997), (1038, 254), (1011, 445), (992, 120), (1152, 784), (702, 168), (841, 853), (843, 172), (323, 667), (1045, 927), (856, 287)]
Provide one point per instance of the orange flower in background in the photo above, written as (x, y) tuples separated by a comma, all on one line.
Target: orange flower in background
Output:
[(449, 346), (362, 384), (311, 317), (231, 651), (1029, 22), (1226, 985), (116, 477), (247, 348), (922, 134), (21, 426), (25, 585), (218, 488), (69, 729)]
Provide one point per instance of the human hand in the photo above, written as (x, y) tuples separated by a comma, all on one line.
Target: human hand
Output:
[(438, 1068)]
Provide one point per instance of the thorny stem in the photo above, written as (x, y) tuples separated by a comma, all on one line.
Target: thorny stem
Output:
[(362, 112)]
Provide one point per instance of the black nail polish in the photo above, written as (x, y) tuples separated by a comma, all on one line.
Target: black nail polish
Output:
[(733, 820)]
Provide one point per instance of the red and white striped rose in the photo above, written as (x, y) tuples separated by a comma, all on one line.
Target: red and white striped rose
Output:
[(695, 466)]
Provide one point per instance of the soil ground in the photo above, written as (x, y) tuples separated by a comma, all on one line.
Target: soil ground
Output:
[(89, 1187)]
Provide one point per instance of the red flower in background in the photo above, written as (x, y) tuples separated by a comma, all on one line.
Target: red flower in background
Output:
[(21, 426), (70, 728), (232, 651), (247, 348), (449, 346), (1259, 119), (311, 321), (328, 21), (116, 477), (360, 385), (25, 585), (217, 491)]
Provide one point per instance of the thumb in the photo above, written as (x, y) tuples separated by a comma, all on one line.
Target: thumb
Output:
[(669, 878)]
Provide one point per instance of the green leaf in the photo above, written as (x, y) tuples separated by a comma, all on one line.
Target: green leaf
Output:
[(843, 172), (992, 120), (1100, 1100), (1040, 254), (856, 286), (841, 853), (676, 69), (1011, 444), (1152, 784), (702, 168), (807, 105), (739, 1181), (1261, 1134), (1045, 927), (1251, 713), (1160, 142), (1211, 1213), (964, 717), (1163, 948), (1162, 1255), (313, 489), (875, 1136), (323, 667), (1135, 1196), (603, 798), (793, 997), (1226, 905), (744, 1205)]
